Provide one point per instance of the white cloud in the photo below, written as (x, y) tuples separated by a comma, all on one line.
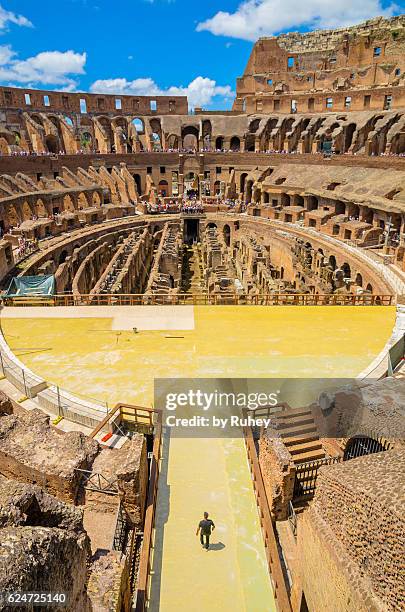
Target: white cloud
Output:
[(255, 18), (7, 17), (46, 68), (200, 91)]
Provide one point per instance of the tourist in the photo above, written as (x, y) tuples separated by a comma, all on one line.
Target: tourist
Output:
[(205, 527)]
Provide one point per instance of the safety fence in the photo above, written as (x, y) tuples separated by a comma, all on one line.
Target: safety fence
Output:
[(145, 562), (306, 475), (180, 299), (52, 398), (278, 579)]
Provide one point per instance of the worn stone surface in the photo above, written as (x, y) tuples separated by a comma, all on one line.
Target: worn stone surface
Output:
[(108, 586), (352, 537), (43, 544), (127, 471), (32, 451), (6, 405)]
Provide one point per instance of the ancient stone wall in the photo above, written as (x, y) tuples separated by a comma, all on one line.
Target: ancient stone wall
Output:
[(347, 69), (351, 539)]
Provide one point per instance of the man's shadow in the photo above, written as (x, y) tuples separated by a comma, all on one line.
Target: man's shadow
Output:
[(217, 546)]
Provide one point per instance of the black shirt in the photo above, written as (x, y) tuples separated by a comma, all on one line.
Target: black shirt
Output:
[(206, 525)]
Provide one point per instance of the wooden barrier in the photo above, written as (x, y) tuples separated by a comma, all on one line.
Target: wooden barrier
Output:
[(145, 558), (281, 591), (270, 299)]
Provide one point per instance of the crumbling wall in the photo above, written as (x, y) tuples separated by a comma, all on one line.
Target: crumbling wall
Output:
[(351, 540), (32, 451), (278, 472), (43, 545)]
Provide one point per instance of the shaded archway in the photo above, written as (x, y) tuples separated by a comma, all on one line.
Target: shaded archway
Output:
[(68, 203), (235, 143), (227, 235), (26, 211), (364, 445), (219, 143), (163, 188), (40, 209), (82, 201), (137, 179), (189, 137), (96, 199), (52, 143)]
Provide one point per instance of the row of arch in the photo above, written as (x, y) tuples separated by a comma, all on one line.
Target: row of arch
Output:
[(27, 209)]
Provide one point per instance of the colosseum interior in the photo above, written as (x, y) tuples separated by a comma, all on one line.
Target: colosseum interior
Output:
[(142, 243)]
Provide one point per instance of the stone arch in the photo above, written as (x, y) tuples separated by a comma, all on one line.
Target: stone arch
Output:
[(81, 201), (219, 143), (332, 262), (358, 446), (96, 199), (164, 188), (137, 179), (40, 209), (243, 181), (52, 143), (206, 133), (346, 270), (86, 140), (138, 124), (189, 137), (26, 211), (172, 141), (235, 143), (68, 203), (227, 234), (12, 216), (369, 287), (359, 280)]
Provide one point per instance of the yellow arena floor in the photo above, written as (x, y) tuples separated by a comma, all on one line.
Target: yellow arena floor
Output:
[(91, 356)]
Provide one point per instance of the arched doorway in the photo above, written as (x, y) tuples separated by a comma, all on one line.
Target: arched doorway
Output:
[(364, 445), (189, 136), (52, 143), (163, 188), (235, 143), (219, 143), (137, 180)]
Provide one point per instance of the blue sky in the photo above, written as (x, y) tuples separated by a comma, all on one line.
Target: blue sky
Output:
[(155, 46)]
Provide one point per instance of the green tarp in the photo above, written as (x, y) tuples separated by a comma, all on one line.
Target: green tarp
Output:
[(31, 285)]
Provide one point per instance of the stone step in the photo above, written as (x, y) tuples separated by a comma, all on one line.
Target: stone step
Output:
[(295, 430), (309, 456), (293, 421), (300, 439), (293, 412), (297, 449)]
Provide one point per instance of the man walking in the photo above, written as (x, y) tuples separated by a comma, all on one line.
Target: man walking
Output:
[(205, 526)]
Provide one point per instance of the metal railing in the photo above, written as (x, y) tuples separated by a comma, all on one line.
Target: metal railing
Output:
[(95, 481), (306, 475), (181, 299)]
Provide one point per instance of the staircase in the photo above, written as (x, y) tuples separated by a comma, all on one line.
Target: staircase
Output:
[(299, 433)]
